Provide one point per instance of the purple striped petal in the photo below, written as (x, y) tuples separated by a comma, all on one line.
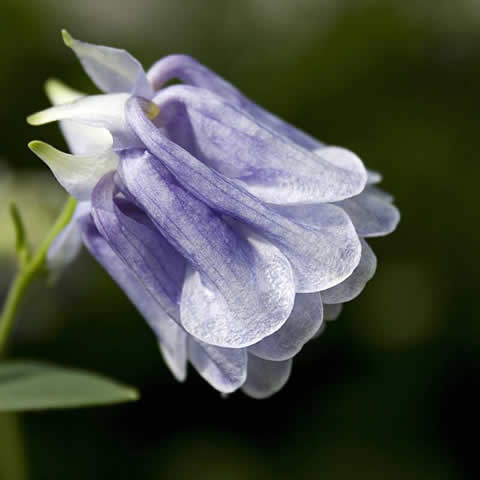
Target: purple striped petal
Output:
[(238, 290), (268, 164), (135, 240), (301, 326), (321, 257), (355, 283), (172, 338), (190, 72), (224, 368), (264, 378), (372, 214)]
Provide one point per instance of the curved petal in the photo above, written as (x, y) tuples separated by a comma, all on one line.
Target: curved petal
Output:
[(264, 378), (372, 215), (378, 192), (190, 72), (225, 369), (157, 266), (238, 290), (82, 139), (100, 111), (111, 69), (320, 256), (77, 174), (269, 165), (206, 311), (301, 326), (173, 340), (332, 311), (355, 283), (68, 243)]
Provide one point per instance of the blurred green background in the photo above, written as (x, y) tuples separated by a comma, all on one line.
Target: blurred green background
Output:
[(390, 390)]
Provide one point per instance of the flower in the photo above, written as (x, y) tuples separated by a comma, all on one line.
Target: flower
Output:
[(234, 233)]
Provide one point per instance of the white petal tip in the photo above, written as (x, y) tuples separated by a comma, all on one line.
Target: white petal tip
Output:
[(59, 93), (42, 117), (44, 151), (35, 119), (67, 38), (36, 146)]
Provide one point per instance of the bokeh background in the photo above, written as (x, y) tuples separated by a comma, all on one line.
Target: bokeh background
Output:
[(390, 390)]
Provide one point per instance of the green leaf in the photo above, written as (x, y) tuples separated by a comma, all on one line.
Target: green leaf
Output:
[(39, 386)]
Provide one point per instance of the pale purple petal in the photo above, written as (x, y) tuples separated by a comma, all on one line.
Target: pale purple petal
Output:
[(78, 174), (321, 257), (304, 321), (372, 215), (264, 377), (172, 338), (331, 312), (173, 343), (224, 368), (82, 139), (190, 72), (99, 111), (135, 240), (111, 69), (268, 164), (68, 243), (239, 289), (355, 283), (382, 195), (373, 177)]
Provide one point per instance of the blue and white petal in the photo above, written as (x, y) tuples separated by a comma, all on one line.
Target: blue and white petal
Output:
[(332, 311), (267, 164), (223, 368), (372, 214), (82, 139), (191, 72), (100, 111), (238, 290), (321, 257), (355, 283), (173, 340), (111, 69), (304, 321), (264, 378), (157, 266), (78, 174), (68, 243)]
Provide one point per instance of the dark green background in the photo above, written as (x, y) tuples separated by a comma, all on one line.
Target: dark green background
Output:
[(389, 391)]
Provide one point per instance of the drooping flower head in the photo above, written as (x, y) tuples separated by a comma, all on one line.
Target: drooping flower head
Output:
[(234, 233)]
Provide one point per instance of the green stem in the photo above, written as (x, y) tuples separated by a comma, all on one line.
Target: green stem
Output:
[(28, 272), (12, 454)]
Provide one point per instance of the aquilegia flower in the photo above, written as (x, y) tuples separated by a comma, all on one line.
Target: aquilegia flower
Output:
[(233, 233)]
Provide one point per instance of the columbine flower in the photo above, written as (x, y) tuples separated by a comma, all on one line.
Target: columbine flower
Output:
[(234, 233)]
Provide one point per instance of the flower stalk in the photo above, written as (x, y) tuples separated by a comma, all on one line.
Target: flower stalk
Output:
[(30, 266)]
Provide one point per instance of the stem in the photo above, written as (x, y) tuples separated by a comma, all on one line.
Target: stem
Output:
[(28, 272), (12, 454)]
